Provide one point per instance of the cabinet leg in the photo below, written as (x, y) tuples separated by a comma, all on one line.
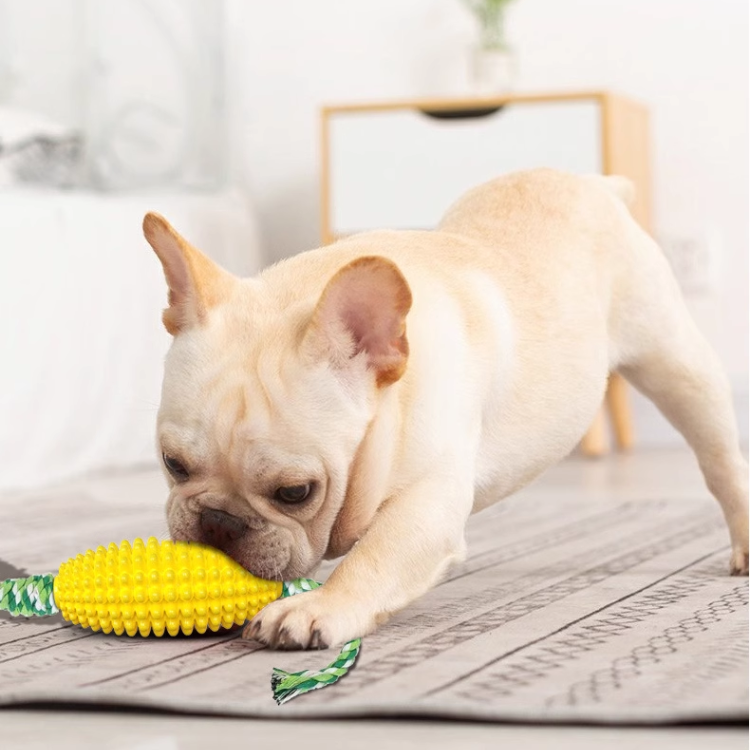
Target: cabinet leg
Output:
[(594, 442), (618, 404)]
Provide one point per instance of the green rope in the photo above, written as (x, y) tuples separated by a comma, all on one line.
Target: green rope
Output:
[(28, 596), (288, 685)]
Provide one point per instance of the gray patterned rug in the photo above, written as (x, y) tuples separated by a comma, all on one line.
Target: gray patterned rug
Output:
[(574, 612)]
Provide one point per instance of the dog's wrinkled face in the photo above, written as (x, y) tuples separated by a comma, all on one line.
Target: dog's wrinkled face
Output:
[(260, 437), (264, 405)]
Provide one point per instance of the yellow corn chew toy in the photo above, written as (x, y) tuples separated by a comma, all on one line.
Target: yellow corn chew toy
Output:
[(159, 587), (165, 587)]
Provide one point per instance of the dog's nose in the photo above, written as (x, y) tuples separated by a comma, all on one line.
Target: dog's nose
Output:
[(220, 528)]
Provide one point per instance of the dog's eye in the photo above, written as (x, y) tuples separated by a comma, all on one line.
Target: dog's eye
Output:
[(293, 495), (175, 468)]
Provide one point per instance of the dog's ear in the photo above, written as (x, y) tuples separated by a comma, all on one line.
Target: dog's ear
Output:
[(363, 310), (195, 283)]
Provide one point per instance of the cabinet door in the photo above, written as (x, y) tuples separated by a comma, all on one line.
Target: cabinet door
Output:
[(403, 168)]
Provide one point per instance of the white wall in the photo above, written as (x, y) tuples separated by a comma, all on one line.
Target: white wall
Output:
[(687, 59)]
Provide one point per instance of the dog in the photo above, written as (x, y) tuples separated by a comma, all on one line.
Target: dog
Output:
[(364, 398)]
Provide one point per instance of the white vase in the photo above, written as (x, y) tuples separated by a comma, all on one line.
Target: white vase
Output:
[(493, 71)]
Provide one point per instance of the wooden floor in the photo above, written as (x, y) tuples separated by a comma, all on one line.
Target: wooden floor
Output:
[(643, 475)]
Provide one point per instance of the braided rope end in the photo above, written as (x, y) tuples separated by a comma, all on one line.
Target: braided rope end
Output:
[(26, 597), (288, 685)]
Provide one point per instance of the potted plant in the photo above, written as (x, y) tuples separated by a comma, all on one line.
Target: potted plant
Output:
[(492, 63)]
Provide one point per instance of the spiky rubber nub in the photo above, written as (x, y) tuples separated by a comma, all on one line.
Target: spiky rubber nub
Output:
[(160, 587)]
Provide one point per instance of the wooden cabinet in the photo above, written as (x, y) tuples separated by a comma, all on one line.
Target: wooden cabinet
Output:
[(401, 164)]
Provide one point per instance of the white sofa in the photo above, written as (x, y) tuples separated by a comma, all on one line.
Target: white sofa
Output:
[(81, 342)]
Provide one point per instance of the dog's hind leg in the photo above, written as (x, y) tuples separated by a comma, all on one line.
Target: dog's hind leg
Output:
[(659, 349)]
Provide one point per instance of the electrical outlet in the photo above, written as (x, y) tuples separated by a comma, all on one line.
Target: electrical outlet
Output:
[(695, 260)]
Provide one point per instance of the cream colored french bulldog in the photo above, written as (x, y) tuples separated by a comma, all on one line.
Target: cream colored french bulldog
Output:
[(364, 398)]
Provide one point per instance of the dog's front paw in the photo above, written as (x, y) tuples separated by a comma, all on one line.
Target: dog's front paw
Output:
[(310, 620)]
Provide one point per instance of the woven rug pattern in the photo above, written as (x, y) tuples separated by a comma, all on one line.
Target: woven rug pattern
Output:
[(582, 612)]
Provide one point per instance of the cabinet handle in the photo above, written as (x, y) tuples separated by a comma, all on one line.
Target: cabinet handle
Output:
[(465, 113)]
